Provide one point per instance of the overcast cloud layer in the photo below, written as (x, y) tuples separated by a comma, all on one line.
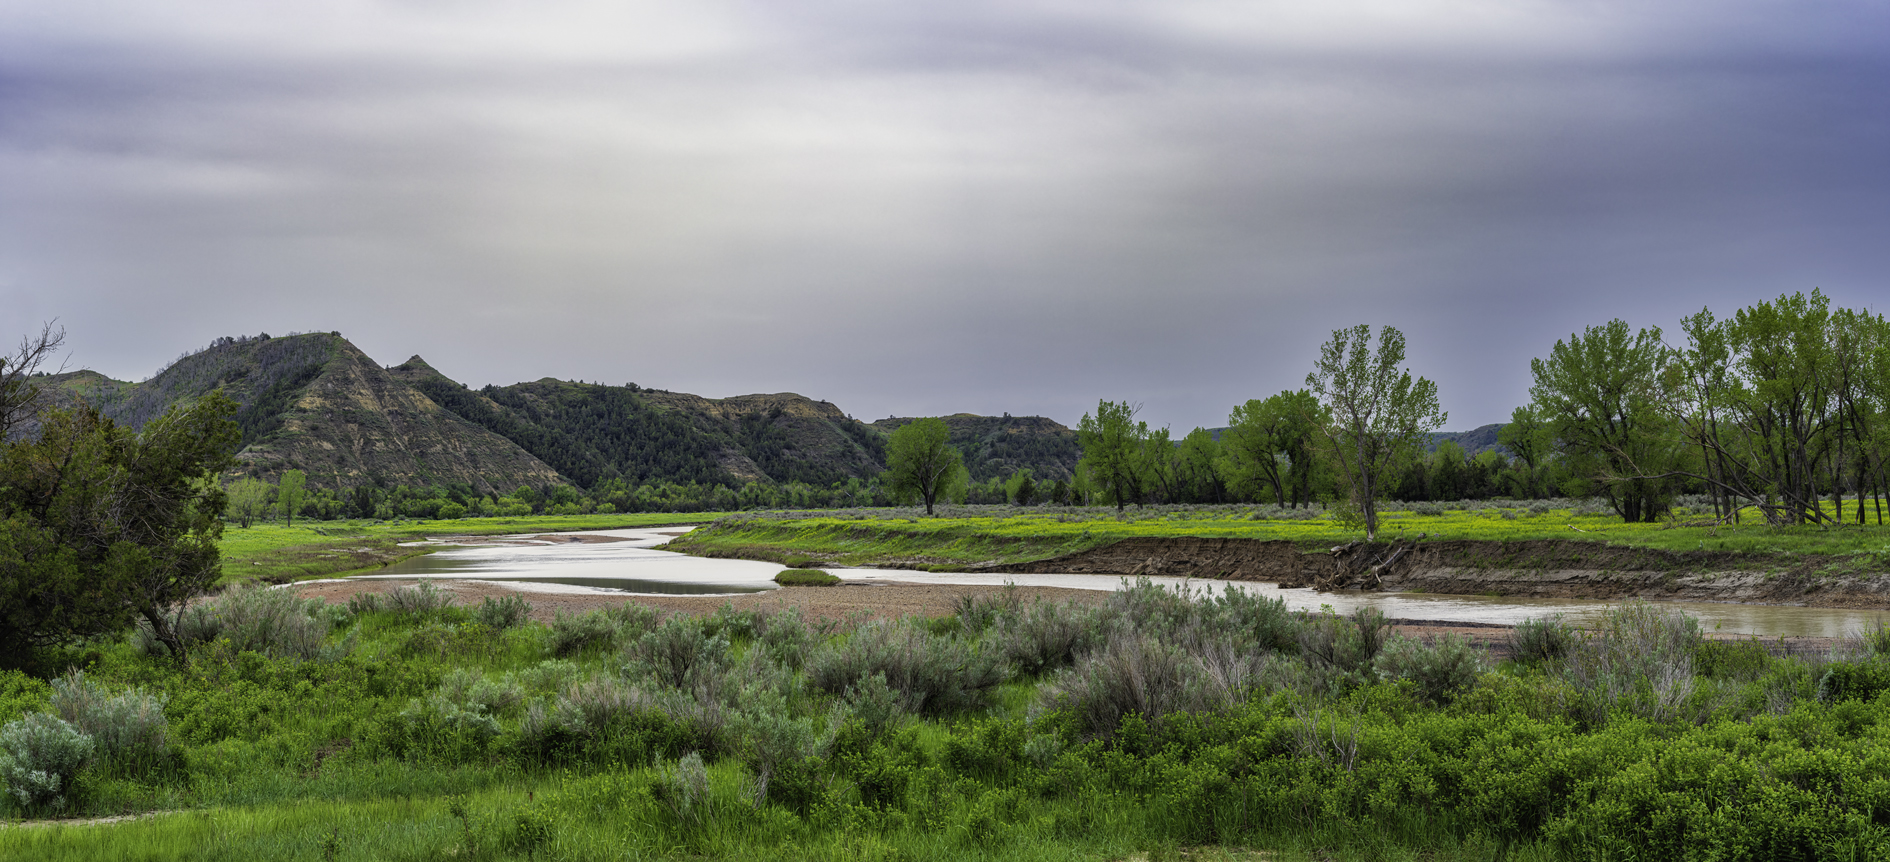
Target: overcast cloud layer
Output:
[(1020, 206)]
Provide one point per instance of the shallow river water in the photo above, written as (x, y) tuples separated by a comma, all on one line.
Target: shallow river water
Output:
[(634, 566)]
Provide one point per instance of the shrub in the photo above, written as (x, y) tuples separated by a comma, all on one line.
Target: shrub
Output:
[(1639, 659), (1047, 636), (39, 757), (1540, 639), (502, 613), (683, 789), (471, 689), (1440, 667), (269, 621), (677, 651), (1254, 620), (582, 633), (979, 611), (423, 599), (933, 675), (127, 728), (805, 578), (437, 726), (1133, 673)]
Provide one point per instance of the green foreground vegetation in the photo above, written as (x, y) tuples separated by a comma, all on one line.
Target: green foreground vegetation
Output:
[(398, 727), (978, 535), (276, 552)]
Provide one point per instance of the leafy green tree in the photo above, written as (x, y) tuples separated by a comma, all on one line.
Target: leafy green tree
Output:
[(1270, 444), (920, 461), (1021, 488), (289, 493), (1526, 435), (1599, 391), (99, 524), (249, 499), (1196, 475), (1113, 453), (1378, 412)]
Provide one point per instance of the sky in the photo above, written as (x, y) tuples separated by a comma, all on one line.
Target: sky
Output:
[(1023, 206)]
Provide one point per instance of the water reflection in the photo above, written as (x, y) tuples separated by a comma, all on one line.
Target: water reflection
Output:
[(633, 565)]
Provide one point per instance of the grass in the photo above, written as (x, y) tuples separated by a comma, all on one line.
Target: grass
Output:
[(806, 578), (275, 552), (983, 535), (426, 734)]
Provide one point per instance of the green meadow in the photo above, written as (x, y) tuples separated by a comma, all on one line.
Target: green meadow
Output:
[(1158, 725), (979, 535)]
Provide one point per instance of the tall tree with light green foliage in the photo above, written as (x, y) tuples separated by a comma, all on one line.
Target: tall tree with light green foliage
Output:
[(1269, 444), (289, 494), (920, 461), (1379, 413), (1600, 392), (249, 499), (1113, 452)]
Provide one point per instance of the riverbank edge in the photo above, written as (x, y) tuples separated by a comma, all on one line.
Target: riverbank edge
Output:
[(1533, 568)]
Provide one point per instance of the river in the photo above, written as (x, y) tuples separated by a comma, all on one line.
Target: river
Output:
[(633, 565)]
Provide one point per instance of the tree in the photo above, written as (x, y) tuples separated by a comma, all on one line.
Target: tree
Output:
[(20, 397), (1526, 436), (289, 493), (1378, 412), (1112, 452), (249, 499), (1196, 478), (103, 525), (1269, 444), (1598, 391), (1021, 488), (920, 461)]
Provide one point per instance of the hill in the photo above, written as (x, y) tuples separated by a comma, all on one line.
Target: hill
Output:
[(997, 446), (592, 433), (316, 403)]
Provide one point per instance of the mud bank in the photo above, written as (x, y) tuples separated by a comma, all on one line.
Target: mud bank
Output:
[(1530, 569)]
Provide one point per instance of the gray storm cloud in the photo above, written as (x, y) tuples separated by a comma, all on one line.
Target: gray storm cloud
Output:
[(909, 209)]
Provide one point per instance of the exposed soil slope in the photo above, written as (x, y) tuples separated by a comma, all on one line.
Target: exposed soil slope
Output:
[(1530, 569)]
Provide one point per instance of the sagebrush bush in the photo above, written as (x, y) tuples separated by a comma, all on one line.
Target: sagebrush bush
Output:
[(1440, 666), (676, 651), (1044, 636), (421, 600), (934, 675), (976, 612), (503, 612), (576, 634), (1540, 639), (256, 619), (40, 755), (1137, 673), (472, 688), (128, 728), (1639, 659)]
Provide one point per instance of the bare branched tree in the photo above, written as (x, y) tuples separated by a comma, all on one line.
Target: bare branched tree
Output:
[(21, 398)]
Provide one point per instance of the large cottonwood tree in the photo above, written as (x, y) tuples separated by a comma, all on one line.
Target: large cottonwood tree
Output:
[(920, 461), (1377, 412)]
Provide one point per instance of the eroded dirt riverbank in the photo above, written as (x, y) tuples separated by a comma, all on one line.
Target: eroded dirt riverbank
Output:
[(1525, 569)]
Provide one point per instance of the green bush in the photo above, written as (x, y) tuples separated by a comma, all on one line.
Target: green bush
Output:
[(129, 728), (1045, 636), (1133, 673), (933, 675), (1639, 660), (677, 651), (805, 578), (256, 619), (421, 600), (582, 633), (502, 613), (40, 755), (1540, 639), (1440, 667)]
